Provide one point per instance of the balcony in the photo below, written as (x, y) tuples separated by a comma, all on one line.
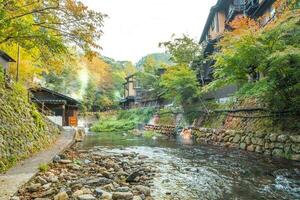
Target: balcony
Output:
[(251, 6), (235, 9)]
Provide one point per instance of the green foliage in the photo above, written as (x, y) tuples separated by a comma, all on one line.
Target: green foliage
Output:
[(183, 50), (180, 84), (124, 120), (273, 52), (49, 24), (150, 134), (43, 167), (23, 129)]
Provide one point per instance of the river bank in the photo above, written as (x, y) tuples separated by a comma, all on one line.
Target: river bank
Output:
[(119, 166), (26, 169), (92, 174)]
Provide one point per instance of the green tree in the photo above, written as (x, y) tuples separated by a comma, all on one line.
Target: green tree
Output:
[(273, 52), (180, 85), (183, 50), (49, 24)]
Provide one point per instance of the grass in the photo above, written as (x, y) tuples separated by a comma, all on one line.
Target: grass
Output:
[(43, 167), (124, 120), (150, 134)]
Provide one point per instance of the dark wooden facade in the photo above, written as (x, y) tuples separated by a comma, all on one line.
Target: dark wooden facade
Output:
[(217, 23), (52, 103)]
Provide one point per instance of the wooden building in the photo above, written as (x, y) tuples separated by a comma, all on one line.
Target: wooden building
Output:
[(132, 92), (137, 96), (5, 59), (59, 108), (217, 23)]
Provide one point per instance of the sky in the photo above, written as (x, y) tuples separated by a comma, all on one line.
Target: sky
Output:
[(134, 28)]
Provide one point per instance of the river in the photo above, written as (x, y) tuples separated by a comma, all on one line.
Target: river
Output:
[(189, 171)]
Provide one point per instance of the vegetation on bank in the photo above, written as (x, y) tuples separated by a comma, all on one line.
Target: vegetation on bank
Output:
[(23, 129), (123, 120)]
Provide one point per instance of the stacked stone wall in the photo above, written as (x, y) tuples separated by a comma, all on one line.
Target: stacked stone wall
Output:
[(271, 144), (23, 130), (165, 130)]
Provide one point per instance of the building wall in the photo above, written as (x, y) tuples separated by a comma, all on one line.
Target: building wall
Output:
[(3, 63)]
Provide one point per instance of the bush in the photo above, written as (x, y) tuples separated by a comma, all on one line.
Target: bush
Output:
[(124, 120)]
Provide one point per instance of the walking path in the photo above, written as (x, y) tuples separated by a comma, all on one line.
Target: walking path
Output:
[(25, 170)]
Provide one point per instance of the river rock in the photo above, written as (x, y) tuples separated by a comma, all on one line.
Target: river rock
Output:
[(65, 161), (123, 189), (133, 176), (41, 180), (56, 158), (143, 190), (86, 197), (142, 157), (295, 138), (61, 196), (122, 196), (34, 187), (99, 181), (137, 198), (49, 192)]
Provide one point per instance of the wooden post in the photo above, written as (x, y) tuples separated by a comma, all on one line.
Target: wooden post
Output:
[(18, 64)]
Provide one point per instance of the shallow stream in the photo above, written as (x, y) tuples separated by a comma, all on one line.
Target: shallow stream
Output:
[(189, 171)]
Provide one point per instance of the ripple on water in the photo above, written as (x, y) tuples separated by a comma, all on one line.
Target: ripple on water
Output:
[(205, 172)]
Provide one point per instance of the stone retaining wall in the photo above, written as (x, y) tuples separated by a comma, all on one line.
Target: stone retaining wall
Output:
[(23, 130), (166, 130), (271, 144)]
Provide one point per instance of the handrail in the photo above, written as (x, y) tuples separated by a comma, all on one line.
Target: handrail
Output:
[(46, 111)]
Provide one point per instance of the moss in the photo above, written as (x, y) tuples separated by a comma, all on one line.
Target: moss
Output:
[(23, 130)]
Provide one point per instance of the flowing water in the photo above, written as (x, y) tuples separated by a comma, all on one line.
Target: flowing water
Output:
[(187, 171)]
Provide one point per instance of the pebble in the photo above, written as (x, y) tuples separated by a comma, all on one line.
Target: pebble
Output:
[(103, 176), (122, 196), (65, 161), (86, 197), (61, 196)]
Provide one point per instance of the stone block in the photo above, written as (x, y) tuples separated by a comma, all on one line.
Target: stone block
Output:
[(295, 138), (251, 148), (273, 137), (296, 147), (282, 138), (236, 138), (278, 153), (243, 146), (248, 140), (295, 157), (259, 149)]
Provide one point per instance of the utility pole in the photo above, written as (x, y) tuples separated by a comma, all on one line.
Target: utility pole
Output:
[(18, 64)]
